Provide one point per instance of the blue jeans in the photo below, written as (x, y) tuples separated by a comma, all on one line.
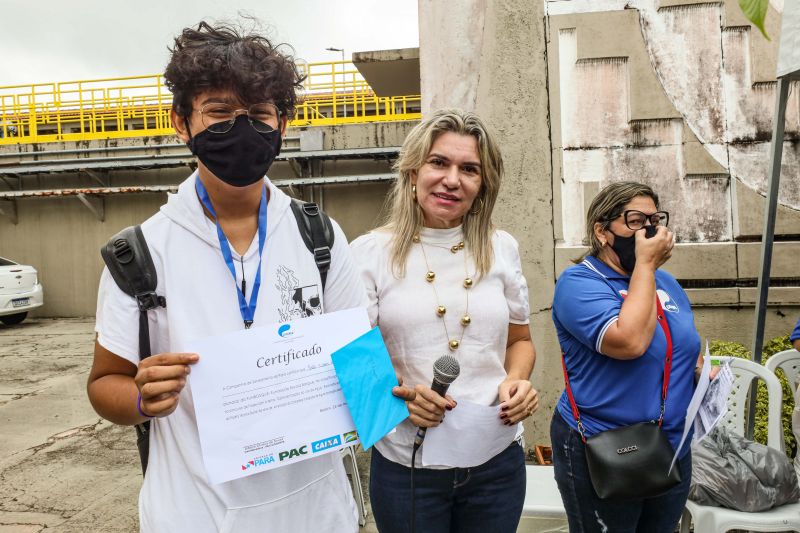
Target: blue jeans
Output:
[(586, 512), (483, 499)]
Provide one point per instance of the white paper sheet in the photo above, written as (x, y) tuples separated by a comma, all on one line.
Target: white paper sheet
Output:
[(694, 404), (268, 396), (709, 402), (715, 401), (470, 435)]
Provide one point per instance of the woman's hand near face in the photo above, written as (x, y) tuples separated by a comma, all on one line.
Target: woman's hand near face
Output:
[(656, 250)]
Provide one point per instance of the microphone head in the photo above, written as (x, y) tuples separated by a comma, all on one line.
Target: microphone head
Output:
[(446, 369)]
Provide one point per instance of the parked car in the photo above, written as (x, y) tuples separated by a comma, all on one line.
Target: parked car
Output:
[(20, 291)]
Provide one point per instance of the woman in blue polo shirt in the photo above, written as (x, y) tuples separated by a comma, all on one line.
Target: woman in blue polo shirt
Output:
[(795, 337), (604, 311)]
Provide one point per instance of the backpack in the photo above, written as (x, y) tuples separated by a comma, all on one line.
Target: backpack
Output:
[(129, 261)]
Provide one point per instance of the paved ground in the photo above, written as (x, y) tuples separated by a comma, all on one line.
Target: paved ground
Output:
[(62, 468)]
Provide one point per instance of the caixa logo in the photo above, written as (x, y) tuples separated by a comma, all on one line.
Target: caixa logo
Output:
[(294, 452), (324, 444), (259, 461)]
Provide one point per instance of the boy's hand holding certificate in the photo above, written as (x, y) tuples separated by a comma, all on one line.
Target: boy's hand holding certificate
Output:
[(269, 396)]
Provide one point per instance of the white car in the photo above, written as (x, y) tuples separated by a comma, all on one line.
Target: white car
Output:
[(20, 291)]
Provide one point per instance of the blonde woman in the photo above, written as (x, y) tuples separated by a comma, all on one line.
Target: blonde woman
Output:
[(442, 280)]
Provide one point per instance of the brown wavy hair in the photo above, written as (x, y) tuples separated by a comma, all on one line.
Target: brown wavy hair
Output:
[(226, 56)]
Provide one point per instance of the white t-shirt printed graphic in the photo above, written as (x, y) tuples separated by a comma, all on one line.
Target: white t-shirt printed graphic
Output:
[(201, 301), (405, 311)]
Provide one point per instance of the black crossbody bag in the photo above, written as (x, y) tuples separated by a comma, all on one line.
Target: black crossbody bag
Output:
[(631, 462)]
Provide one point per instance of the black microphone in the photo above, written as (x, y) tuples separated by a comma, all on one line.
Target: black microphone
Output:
[(445, 371)]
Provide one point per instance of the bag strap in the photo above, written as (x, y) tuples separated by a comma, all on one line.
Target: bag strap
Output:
[(129, 261), (317, 233), (664, 323)]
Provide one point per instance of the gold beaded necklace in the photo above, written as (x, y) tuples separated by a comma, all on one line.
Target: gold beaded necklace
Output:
[(430, 276)]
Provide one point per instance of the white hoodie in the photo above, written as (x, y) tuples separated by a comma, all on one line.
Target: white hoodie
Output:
[(313, 495)]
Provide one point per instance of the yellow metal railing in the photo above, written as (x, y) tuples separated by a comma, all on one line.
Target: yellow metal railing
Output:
[(333, 93)]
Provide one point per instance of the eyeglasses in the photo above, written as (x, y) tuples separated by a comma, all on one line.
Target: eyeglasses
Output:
[(636, 220), (219, 117)]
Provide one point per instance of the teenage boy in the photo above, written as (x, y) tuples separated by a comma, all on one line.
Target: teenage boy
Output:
[(228, 254)]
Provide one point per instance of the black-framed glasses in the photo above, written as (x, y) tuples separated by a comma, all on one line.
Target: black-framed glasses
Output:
[(219, 117), (636, 220)]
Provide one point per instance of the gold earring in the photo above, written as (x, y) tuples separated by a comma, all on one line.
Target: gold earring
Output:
[(414, 193), (474, 211)]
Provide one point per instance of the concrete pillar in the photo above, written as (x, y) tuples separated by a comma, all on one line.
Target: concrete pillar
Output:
[(490, 57)]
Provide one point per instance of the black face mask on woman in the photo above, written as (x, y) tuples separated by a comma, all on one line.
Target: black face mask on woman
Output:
[(625, 247), (239, 157)]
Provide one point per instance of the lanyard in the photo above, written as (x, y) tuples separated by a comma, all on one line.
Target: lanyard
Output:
[(248, 310)]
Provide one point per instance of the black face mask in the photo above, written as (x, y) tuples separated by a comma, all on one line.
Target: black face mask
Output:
[(239, 157), (626, 251)]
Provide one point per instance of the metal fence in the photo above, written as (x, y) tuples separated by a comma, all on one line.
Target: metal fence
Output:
[(333, 93)]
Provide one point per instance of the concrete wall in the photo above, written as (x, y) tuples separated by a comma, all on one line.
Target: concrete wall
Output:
[(501, 73), (62, 238), (678, 94)]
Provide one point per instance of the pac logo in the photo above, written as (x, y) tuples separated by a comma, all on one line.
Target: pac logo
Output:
[(666, 302), (285, 330), (350, 436), (294, 452), (324, 444)]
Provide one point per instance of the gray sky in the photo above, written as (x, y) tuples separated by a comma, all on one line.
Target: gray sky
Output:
[(61, 40)]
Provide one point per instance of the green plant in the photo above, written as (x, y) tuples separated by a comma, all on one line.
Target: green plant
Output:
[(756, 12), (778, 344)]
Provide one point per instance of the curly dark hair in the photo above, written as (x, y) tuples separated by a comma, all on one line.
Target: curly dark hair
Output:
[(227, 57)]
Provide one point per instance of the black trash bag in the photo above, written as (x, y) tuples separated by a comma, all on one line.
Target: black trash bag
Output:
[(731, 471)]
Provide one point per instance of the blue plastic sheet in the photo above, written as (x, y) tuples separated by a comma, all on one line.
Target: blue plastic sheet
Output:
[(366, 375)]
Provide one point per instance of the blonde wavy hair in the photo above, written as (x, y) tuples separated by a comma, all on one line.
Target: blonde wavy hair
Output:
[(405, 217)]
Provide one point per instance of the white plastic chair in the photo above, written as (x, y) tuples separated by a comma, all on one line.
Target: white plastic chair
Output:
[(542, 498), (351, 468), (789, 362), (708, 519)]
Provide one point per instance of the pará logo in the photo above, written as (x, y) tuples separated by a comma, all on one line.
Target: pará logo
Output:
[(259, 461), (285, 330)]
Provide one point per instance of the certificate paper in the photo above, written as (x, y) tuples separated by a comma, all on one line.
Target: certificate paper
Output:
[(268, 396)]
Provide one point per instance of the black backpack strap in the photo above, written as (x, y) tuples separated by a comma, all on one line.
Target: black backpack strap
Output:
[(317, 232), (129, 261)]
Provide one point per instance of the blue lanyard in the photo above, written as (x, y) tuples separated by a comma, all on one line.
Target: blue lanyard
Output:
[(248, 310)]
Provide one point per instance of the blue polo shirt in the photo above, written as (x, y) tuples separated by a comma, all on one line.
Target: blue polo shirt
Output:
[(796, 333), (611, 392)]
